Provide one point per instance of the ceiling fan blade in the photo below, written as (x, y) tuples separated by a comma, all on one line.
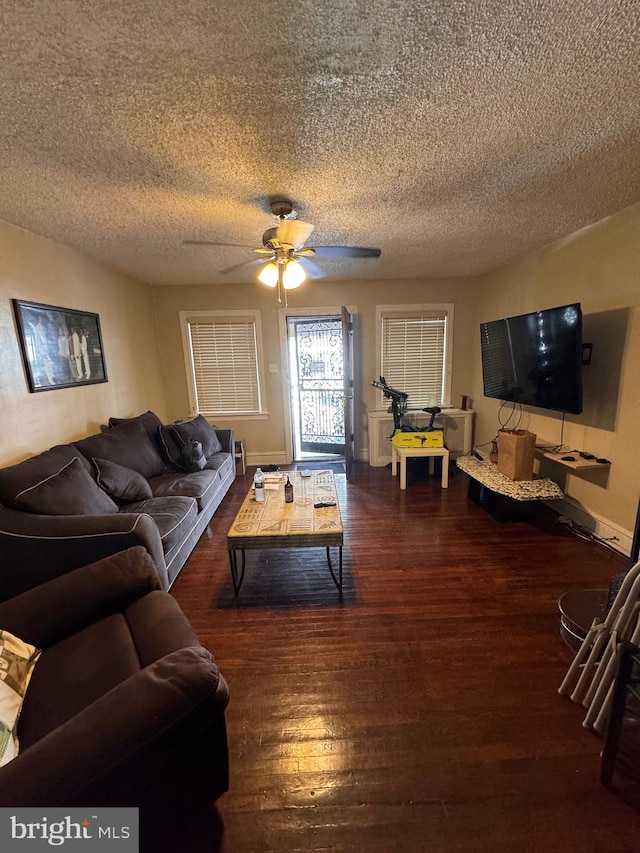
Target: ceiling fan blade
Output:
[(311, 269), (294, 232), (243, 264), (345, 252), (212, 243)]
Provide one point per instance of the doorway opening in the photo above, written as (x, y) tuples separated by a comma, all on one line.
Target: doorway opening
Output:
[(315, 351)]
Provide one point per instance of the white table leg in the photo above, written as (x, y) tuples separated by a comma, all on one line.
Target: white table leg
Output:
[(394, 460), (403, 471), (445, 470)]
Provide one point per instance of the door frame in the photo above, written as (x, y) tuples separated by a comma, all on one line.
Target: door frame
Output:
[(283, 315)]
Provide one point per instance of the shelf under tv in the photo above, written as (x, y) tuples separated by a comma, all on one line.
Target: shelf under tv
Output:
[(578, 463)]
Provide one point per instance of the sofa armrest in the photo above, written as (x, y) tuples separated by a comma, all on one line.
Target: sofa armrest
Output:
[(226, 437), (65, 605), (126, 745), (36, 548)]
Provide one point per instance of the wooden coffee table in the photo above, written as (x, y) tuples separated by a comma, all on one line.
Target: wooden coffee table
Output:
[(276, 524)]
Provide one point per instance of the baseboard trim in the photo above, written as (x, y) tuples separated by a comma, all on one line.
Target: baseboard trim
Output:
[(597, 525), (280, 458), (275, 458)]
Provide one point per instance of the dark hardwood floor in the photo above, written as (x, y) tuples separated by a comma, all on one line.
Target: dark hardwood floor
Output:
[(421, 712)]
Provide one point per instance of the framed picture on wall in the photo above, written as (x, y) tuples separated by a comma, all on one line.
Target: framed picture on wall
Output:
[(61, 348)]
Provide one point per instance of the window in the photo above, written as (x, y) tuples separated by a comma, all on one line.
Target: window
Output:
[(414, 346), (222, 356)]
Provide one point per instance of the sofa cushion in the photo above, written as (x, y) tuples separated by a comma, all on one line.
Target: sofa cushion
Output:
[(123, 484), (224, 463), (199, 429), (17, 478), (74, 672), (70, 491), (174, 517), (199, 485), (17, 660), (128, 444)]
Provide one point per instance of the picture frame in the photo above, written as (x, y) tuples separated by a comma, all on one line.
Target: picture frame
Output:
[(61, 347)]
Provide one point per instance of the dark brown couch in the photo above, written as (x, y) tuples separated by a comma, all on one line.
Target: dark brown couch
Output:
[(76, 503), (125, 707)]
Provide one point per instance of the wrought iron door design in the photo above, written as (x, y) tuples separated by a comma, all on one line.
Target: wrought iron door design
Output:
[(319, 403)]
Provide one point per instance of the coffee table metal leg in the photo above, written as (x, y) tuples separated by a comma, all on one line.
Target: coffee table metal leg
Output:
[(233, 562), (337, 580)]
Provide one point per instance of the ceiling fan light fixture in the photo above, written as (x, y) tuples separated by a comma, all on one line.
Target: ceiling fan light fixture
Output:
[(269, 274), (293, 275)]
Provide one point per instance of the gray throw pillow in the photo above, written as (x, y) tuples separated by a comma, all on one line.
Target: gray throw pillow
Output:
[(171, 445), (199, 429), (70, 491), (149, 420), (123, 484), (127, 444)]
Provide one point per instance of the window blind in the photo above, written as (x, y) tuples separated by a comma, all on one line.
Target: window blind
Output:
[(225, 366), (413, 355)]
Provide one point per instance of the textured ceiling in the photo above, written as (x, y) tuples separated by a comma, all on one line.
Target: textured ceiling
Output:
[(452, 134)]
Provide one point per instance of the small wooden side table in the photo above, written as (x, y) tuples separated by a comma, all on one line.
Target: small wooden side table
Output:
[(402, 453), (241, 459)]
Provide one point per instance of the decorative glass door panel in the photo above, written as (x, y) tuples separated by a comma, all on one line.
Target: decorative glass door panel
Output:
[(316, 359)]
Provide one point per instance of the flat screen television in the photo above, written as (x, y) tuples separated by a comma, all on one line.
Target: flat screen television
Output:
[(535, 359)]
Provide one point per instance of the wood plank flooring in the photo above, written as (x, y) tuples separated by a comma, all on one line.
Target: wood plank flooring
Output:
[(420, 713)]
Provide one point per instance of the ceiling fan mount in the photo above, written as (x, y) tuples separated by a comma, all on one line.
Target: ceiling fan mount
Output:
[(281, 207)]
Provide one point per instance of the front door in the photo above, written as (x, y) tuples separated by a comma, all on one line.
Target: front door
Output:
[(347, 388), (316, 370)]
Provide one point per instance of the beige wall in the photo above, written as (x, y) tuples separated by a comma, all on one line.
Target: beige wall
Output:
[(599, 267), (41, 270), (267, 438)]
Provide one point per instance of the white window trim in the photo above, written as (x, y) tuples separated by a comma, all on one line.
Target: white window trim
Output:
[(185, 317), (400, 311)]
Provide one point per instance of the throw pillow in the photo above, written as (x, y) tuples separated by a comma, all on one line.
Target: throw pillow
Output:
[(124, 485), (17, 660), (127, 444), (170, 445), (70, 491), (16, 478), (149, 420), (199, 429)]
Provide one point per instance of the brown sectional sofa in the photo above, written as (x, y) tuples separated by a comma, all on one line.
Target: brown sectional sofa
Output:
[(77, 503), (125, 706)]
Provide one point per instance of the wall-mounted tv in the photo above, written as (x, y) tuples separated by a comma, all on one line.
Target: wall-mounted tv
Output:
[(535, 359)]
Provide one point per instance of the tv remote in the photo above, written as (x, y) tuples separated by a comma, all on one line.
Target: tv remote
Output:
[(321, 504)]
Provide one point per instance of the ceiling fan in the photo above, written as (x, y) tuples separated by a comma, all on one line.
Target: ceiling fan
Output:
[(290, 261)]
